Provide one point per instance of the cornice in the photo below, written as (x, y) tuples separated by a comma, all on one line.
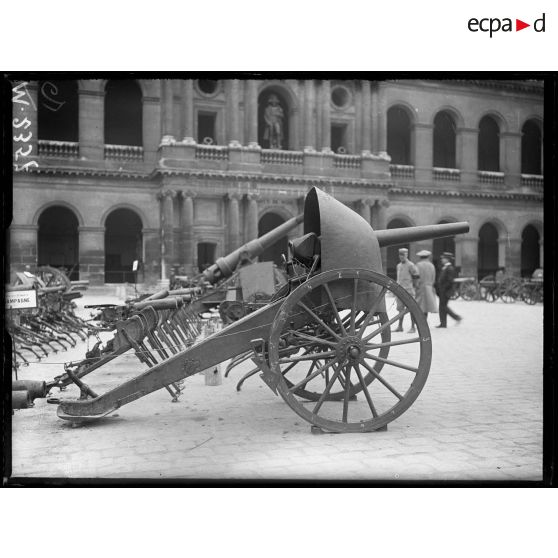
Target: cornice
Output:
[(86, 172), (273, 179), (513, 196)]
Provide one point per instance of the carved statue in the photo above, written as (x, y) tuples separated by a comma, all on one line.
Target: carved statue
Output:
[(273, 117)]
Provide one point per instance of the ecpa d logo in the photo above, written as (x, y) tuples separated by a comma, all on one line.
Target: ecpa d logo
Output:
[(494, 24)]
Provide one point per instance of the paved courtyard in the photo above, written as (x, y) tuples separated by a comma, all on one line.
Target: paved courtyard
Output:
[(479, 417)]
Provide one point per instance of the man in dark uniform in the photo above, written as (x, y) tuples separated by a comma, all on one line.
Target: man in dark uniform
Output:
[(445, 289)]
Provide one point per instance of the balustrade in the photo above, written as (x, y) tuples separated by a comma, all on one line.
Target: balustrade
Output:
[(52, 148)]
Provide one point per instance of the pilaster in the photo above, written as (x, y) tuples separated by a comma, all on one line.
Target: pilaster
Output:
[(91, 124)]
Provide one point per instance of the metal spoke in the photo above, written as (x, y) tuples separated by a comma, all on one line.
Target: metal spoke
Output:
[(387, 324), (392, 363), (314, 356), (365, 390), (347, 372), (318, 340), (392, 343), (371, 312), (318, 319), (382, 381), (327, 389), (312, 376), (354, 305), (334, 307)]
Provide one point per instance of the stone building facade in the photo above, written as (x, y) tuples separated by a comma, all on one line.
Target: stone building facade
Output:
[(175, 173)]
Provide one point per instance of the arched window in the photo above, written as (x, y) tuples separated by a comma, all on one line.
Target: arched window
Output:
[(58, 240), (273, 120), (393, 251), (530, 251), (57, 109), (399, 136), (123, 113), (487, 263), (489, 145), (267, 223), (123, 245), (444, 141), (531, 148)]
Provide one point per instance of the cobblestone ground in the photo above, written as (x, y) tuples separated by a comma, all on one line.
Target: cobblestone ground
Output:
[(478, 417)]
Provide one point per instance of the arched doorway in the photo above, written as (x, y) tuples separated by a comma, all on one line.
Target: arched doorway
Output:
[(123, 245), (489, 145), (267, 223), (58, 240), (123, 113), (487, 263), (530, 251), (441, 245), (273, 114), (393, 251), (399, 136), (444, 141), (57, 110), (531, 148), (206, 255)]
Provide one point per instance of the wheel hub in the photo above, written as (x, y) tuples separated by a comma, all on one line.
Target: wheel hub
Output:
[(350, 348)]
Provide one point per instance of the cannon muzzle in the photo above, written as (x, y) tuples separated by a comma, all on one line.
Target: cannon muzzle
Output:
[(225, 266), (393, 237)]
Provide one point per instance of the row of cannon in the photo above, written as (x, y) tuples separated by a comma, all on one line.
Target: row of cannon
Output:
[(318, 330)]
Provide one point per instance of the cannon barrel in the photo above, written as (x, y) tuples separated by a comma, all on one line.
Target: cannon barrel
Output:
[(392, 237), (225, 266)]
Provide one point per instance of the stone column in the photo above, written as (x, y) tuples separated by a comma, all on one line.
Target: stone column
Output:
[(188, 96), (92, 254), (309, 142), (251, 111), (423, 144), (25, 106), (466, 254), (366, 106), (23, 247), (234, 221), (91, 124), (364, 209), (167, 231), (234, 132), (326, 115), (382, 123), (379, 222), (168, 108), (187, 230), (513, 256), (151, 127), (467, 159), (374, 108), (503, 243), (252, 225), (510, 157)]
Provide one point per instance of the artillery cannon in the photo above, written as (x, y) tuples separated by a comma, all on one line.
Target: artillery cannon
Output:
[(323, 342)]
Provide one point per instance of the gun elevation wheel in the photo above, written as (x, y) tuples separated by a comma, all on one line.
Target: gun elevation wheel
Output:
[(329, 346)]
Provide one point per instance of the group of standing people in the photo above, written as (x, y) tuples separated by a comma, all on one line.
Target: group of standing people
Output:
[(419, 280)]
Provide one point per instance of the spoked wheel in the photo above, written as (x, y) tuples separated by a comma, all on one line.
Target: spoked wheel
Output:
[(53, 277), (329, 343), (469, 290), (338, 391)]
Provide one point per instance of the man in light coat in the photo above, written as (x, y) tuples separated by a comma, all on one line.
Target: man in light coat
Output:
[(426, 296), (407, 275)]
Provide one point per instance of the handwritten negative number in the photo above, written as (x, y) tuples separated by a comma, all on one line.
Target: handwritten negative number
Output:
[(21, 138), (20, 152), (25, 122)]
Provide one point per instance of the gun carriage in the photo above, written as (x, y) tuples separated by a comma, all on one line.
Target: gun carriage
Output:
[(323, 342)]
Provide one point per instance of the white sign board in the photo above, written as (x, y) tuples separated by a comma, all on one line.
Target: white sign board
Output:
[(21, 299)]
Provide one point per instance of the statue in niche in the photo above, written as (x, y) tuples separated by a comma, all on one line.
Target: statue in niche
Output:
[(273, 117)]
